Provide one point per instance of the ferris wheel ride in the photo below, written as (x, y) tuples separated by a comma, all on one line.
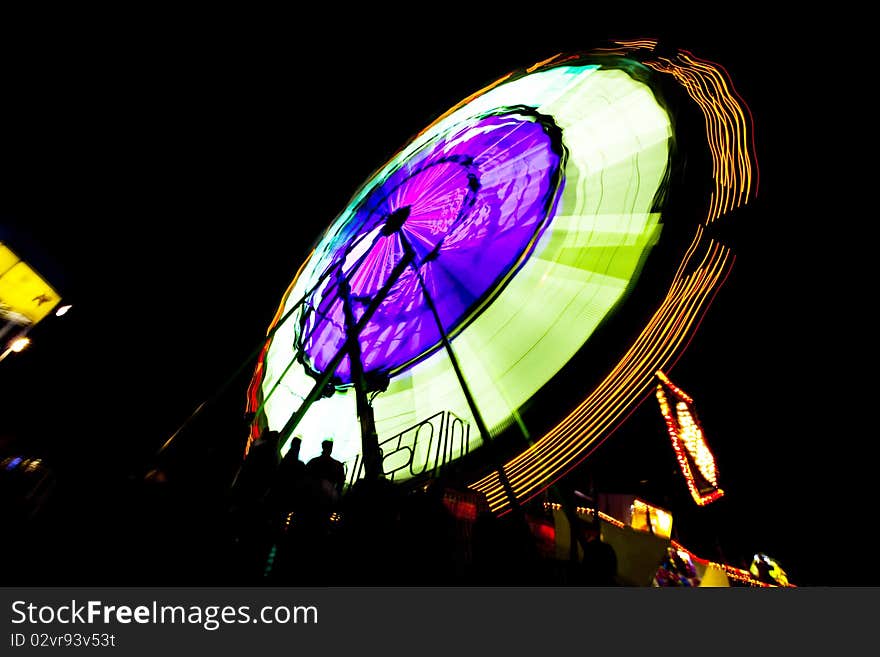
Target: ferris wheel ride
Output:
[(482, 259)]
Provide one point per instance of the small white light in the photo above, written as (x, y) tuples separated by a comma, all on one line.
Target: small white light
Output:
[(62, 310), (18, 344)]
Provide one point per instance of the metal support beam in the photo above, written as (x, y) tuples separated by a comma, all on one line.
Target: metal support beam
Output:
[(371, 309), (369, 438), (469, 398)]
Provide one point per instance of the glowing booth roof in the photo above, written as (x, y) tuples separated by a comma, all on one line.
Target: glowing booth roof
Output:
[(25, 297)]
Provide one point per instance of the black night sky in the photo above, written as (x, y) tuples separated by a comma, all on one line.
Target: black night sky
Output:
[(170, 181)]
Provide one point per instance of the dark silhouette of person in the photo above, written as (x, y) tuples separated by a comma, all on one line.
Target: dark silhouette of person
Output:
[(370, 532), (329, 472), (504, 550), (319, 498), (427, 542), (258, 469), (252, 519), (297, 523), (599, 563), (485, 546), (286, 487)]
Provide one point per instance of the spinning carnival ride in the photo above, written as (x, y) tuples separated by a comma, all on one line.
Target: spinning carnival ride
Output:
[(485, 255)]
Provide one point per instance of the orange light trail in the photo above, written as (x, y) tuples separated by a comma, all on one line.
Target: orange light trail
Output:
[(727, 128), (702, 270), (550, 455)]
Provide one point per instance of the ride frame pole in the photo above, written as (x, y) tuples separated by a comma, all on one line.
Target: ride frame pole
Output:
[(472, 404), (352, 335)]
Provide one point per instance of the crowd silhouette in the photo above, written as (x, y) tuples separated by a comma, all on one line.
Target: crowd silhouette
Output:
[(280, 521), (295, 523)]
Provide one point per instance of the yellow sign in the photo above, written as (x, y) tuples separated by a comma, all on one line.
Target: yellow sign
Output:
[(649, 518), (22, 290)]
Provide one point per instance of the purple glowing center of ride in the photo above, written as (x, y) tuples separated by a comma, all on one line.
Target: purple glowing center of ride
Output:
[(471, 204)]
